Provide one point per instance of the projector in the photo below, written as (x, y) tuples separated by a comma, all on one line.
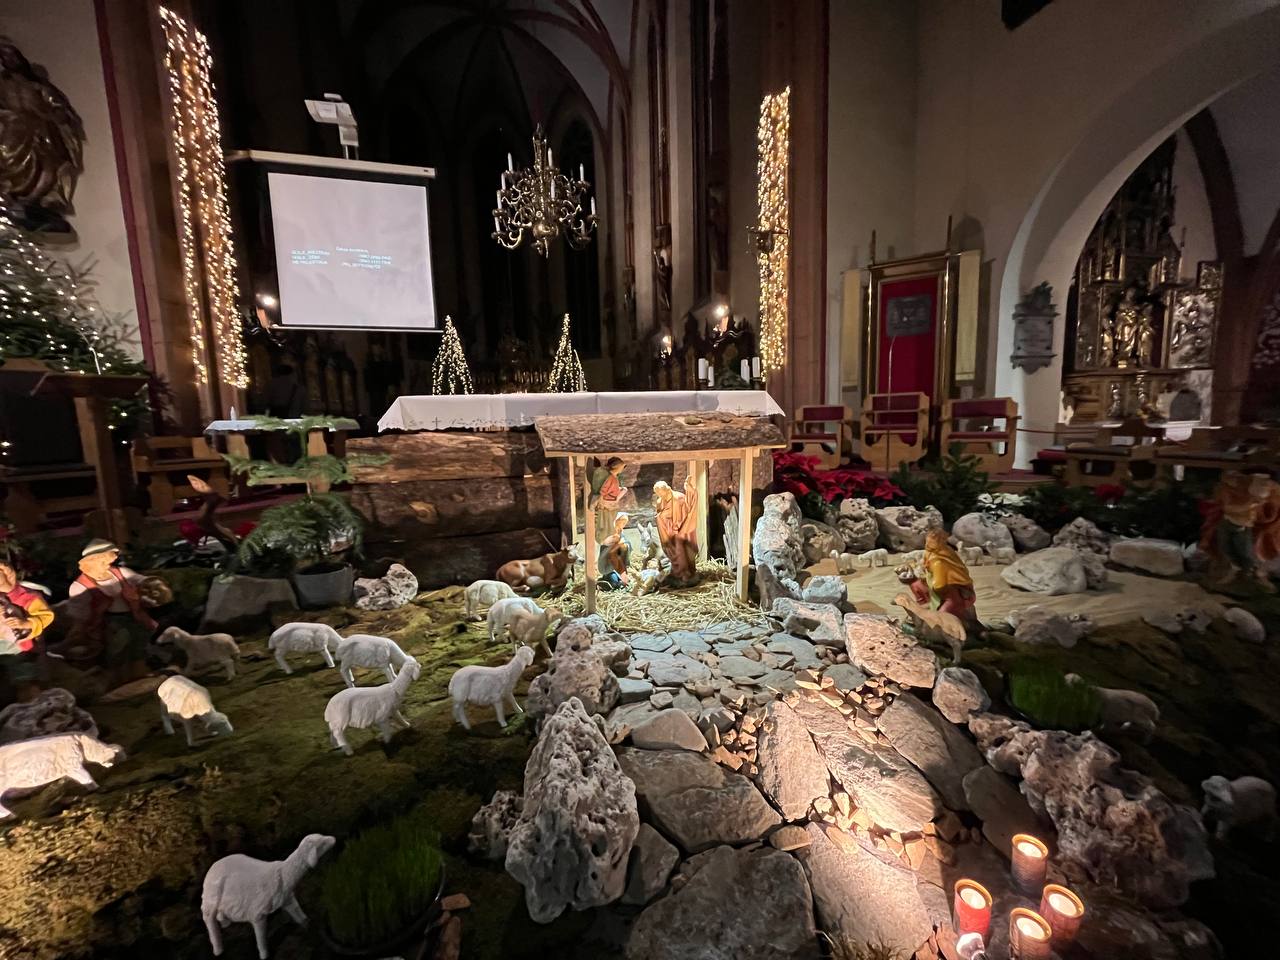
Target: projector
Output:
[(332, 109)]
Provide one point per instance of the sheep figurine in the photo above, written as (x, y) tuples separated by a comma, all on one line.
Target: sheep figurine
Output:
[(30, 764), (373, 653), (504, 610), (203, 650), (187, 700), (1000, 555), (362, 707), (304, 638), (485, 593), (846, 563), (971, 556), (522, 619), (488, 686), (934, 624), (873, 558), (1241, 802), (240, 889), (1126, 711)]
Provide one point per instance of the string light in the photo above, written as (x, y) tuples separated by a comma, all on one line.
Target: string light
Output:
[(566, 367), (450, 366), (202, 201), (773, 252)]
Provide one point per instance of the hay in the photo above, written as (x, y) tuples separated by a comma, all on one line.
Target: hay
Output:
[(713, 600)]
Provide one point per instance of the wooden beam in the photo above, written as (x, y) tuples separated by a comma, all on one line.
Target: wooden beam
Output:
[(744, 525), (698, 470), (589, 538), (668, 456), (573, 502), (97, 448)]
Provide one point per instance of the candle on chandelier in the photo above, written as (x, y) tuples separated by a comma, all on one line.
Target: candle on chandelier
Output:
[(1029, 935), (1064, 911), (745, 373), (593, 206), (755, 368), (702, 369), (582, 173), (553, 188), (711, 377), (972, 907), (511, 167), (1030, 861)]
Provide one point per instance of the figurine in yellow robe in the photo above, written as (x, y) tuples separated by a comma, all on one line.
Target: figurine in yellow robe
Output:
[(950, 585)]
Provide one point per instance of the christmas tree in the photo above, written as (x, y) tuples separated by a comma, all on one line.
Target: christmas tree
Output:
[(566, 368), (449, 372), (47, 313)]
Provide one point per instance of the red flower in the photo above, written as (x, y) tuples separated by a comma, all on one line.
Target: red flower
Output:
[(190, 531), (244, 528), (1108, 492)]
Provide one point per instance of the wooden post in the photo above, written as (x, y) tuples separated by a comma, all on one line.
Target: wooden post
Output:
[(698, 470), (573, 500), (589, 527), (744, 522), (95, 442)]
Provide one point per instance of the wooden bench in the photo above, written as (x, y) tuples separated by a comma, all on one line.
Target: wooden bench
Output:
[(1223, 448), (972, 423), (28, 510), (166, 462), (895, 429), (826, 432)]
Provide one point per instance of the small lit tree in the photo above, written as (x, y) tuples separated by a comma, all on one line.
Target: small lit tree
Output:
[(566, 368), (449, 372)]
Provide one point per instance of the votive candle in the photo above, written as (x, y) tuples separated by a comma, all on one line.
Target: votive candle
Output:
[(1030, 861), (711, 377), (702, 369), (746, 371), (755, 368), (972, 907), (1029, 935), (1064, 911)]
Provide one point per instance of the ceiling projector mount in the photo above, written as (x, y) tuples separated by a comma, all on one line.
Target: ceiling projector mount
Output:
[(332, 109)]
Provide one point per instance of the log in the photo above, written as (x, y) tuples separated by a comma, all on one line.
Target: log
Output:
[(442, 561), (450, 456), (437, 508)]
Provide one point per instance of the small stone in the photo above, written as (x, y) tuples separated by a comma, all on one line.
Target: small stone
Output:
[(653, 858), (670, 729), (789, 837), (1248, 627), (662, 700), (726, 758), (750, 653), (634, 690), (958, 692), (456, 901), (824, 806)]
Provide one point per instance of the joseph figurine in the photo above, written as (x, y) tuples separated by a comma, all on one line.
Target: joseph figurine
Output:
[(677, 515)]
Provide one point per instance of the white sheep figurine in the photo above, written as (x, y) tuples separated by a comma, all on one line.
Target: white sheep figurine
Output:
[(971, 556), (488, 686), (1000, 555), (370, 652), (203, 650), (187, 700), (240, 889), (846, 563), (363, 707), (28, 765), (484, 594), (1241, 802), (873, 558), (304, 638), (523, 620), (1126, 711)]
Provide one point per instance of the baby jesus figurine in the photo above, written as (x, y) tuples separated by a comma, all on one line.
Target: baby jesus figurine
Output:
[(677, 515)]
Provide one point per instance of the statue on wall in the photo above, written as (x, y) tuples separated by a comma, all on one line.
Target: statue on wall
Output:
[(1134, 331), (1191, 340), (41, 144)]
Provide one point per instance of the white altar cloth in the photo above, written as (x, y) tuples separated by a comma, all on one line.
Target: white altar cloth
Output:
[(479, 411)]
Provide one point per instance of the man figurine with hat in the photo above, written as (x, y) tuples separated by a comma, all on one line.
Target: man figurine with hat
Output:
[(116, 614), (24, 614)]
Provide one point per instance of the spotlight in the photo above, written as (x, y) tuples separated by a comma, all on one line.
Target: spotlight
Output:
[(267, 300)]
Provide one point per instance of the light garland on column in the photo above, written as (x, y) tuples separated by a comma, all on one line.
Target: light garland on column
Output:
[(773, 249), (449, 371), (202, 200), (566, 367)]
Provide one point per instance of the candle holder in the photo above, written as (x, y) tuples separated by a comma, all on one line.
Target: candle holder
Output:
[(972, 907), (1030, 861), (1064, 911), (1029, 935)]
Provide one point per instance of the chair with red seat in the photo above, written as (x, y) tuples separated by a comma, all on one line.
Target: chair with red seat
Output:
[(825, 431), (986, 427), (895, 429)]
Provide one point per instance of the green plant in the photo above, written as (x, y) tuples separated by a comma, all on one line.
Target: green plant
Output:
[(1167, 511), (1040, 692), (382, 880), (953, 483)]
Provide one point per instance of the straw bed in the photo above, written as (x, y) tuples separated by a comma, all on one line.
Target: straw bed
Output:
[(713, 600)]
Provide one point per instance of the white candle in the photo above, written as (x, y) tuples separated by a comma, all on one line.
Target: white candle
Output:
[(499, 195), (702, 369), (1030, 849), (593, 206), (1063, 904), (755, 368), (550, 162), (973, 898), (582, 172), (510, 166), (1029, 928), (553, 188), (233, 415), (746, 371), (711, 377)]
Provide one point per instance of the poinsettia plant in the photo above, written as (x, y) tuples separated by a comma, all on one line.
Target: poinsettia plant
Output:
[(799, 474)]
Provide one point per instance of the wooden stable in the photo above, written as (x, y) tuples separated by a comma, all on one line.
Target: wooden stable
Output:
[(695, 438)]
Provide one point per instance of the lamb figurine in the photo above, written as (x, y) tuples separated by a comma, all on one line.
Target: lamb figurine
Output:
[(362, 707), (304, 638), (187, 700), (373, 653), (203, 650), (488, 686), (1126, 711), (873, 558), (1241, 802), (522, 619), (846, 563), (240, 889), (934, 624), (30, 764), (485, 593)]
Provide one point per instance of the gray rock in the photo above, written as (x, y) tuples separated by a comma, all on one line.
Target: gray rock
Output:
[(687, 702), (735, 667), (771, 587), (1027, 534), (716, 716), (1052, 571), (573, 673), (620, 721), (958, 692), (777, 542), (979, 529), (819, 541), (820, 622), (689, 642), (492, 825), (740, 904), (1161, 557), (676, 670), (1248, 627), (671, 729), (694, 801), (995, 800), (938, 750), (614, 654), (789, 836), (903, 529), (652, 642), (863, 895), (877, 646), (662, 699), (846, 675), (631, 690), (244, 603), (892, 792), (50, 711), (1041, 625), (578, 821), (826, 589), (397, 588), (1005, 742), (792, 774), (652, 860), (1174, 620), (1095, 569), (857, 524), (779, 681), (803, 653), (1084, 535)]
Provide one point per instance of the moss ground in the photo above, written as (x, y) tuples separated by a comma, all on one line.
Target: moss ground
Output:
[(116, 872)]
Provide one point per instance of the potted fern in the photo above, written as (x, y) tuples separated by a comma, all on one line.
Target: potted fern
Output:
[(383, 889), (310, 538)]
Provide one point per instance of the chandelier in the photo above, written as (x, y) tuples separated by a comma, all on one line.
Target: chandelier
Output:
[(542, 201)]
